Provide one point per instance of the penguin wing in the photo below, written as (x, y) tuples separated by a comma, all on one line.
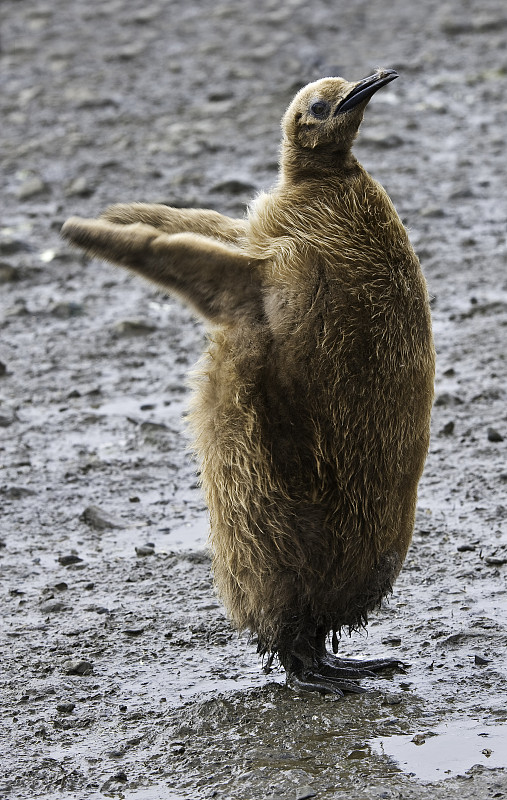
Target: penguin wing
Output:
[(217, 280), (178, 220)]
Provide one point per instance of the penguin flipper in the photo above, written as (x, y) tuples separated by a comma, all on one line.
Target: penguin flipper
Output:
[(177, 220), (217, 280)]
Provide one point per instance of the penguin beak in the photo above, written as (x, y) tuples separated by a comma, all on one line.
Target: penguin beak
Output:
[(365, 89)]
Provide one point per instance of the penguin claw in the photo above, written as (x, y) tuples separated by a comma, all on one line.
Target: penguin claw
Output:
[(332, 675), (362, 669), (314, 682)]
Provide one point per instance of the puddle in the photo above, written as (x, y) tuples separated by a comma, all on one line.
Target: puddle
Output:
[(447, 750)]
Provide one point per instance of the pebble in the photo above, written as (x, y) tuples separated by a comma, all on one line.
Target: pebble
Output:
[(234, 186), (134, 327), (357, 753), (7, 417), (16, 492), (381, 139), (52, 607), (393, 641), (19, 309), (64, 310), (8, 273), (392, 699), (432, 211), (77, 667), (448, 399), (9, 246), (448, 429), (494, 435), (96, 518), (3, 369), (79, 187), (67, 561), (30, 188), (108, 787), (496, 561), (65, 707), (145, 550), (303, 792)]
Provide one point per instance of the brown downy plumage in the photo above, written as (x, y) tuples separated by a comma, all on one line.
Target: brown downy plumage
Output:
[(312, 404)]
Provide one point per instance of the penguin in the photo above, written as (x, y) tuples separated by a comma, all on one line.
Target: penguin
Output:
[(311, 405)]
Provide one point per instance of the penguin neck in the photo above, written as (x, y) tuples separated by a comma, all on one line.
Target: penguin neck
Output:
[(302, 164)]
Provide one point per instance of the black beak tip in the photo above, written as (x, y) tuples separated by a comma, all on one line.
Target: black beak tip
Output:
[(366, 88), (388, 74)]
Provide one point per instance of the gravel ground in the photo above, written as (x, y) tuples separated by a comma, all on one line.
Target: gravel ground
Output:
[(120, 675)]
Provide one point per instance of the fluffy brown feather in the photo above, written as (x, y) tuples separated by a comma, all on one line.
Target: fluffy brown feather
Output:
[(312, 403)]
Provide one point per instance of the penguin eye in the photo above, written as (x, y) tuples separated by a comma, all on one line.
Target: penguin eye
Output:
[(319, 109)]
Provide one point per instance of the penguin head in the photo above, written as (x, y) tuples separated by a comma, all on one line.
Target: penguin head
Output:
[(329, 111)]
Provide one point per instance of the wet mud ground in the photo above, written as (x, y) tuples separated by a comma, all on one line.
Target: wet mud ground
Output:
[(120, 675)]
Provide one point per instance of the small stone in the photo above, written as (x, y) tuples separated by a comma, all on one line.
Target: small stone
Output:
[(234, 186), (448, 399), (77, 667), (303, 792), (65, 707), (30, 188), (466, 548), (432, 211), (8, 273), (494, 435), (448, 429), (96, 518), (357, 753), (52, 607), (7, 417), (19, 309), (3, 369), (10, 246), (67, 561), (145, 550), (79, 187), (16, 492), (382, 139), (393, 641), (480, 661), (495, 561), (133, 631), (419, 739), (65, 310), (392, 699), (134, 327)]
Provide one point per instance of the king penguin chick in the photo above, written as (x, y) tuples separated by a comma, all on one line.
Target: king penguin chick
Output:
[(312, 403)]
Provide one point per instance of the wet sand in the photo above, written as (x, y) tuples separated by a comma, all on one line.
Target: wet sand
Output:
[(120, 675)]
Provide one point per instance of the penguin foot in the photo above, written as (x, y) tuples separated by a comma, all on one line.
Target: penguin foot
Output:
[(332, 675), (315, 682), (332, 665)]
